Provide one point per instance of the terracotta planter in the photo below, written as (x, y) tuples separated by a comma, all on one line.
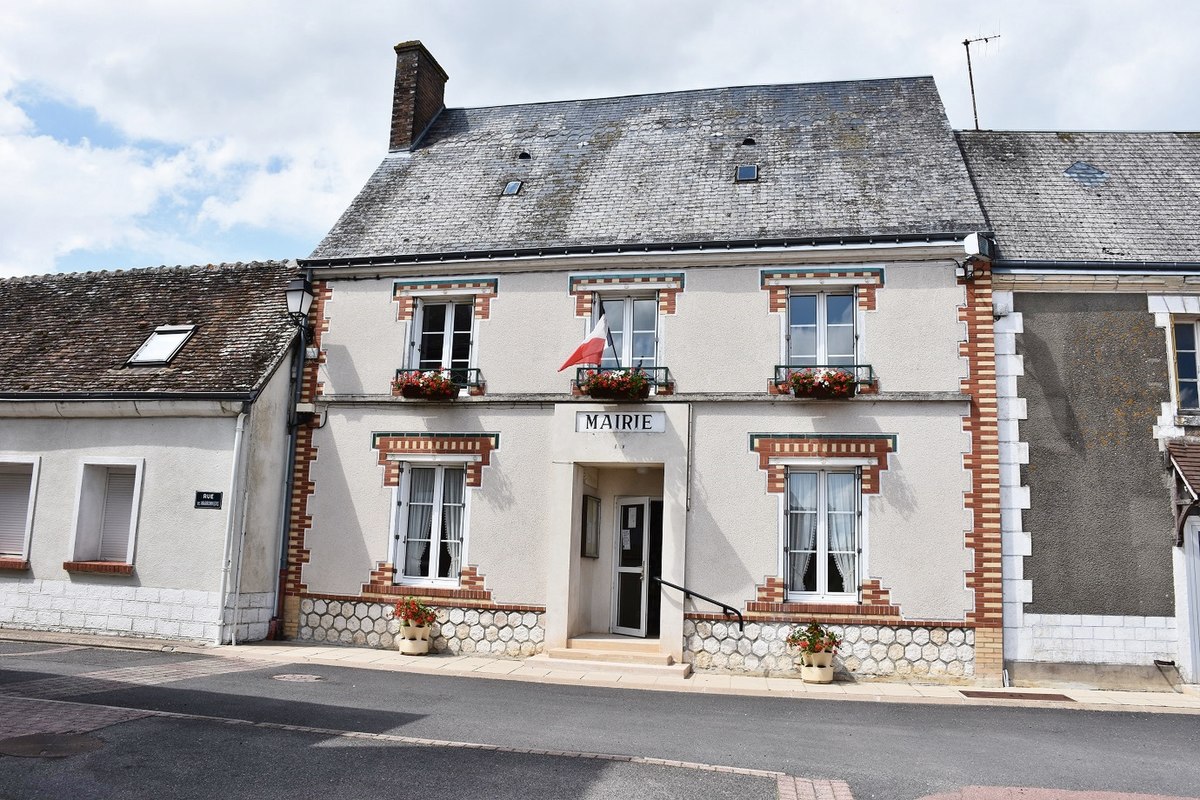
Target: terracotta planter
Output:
[(412, 392), (599, 393), (413, 640), (824, 394)]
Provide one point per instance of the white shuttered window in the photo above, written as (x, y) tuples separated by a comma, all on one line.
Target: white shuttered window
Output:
[(117, 514), (16, 485), (106, 520)]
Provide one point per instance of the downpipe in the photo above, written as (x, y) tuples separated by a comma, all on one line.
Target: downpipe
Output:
[(235, 479)]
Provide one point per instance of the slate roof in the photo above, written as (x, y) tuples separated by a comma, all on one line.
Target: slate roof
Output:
[(844, 159), (1186, 457), (71, 333), (1135, 197)]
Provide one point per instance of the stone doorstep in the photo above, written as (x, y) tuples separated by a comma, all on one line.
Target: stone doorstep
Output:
[(617, 656), (613, 642), (599, 662)]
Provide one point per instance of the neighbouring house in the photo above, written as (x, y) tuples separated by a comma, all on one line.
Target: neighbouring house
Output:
[(795, 414), (1097, 300), (143, 450)]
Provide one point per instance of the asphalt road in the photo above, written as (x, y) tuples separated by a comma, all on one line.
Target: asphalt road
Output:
[(883, 750)]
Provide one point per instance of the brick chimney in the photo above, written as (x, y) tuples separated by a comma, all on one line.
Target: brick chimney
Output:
[(417, 100)]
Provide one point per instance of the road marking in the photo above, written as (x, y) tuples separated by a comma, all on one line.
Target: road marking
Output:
[(108, 680), (1027, 793), (64, 649)]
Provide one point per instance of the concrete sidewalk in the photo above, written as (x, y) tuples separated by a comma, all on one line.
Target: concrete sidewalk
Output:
[(290, 656)]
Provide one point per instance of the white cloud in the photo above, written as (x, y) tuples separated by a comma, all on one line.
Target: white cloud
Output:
[(273, 113)]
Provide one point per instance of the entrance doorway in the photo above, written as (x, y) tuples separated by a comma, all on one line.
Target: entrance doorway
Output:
[(637, 562)]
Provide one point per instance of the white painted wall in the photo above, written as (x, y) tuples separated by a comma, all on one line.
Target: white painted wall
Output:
[(912, 337), (266, 464)]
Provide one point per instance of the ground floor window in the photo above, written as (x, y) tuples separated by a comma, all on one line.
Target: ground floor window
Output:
[(434, 503), (821, 547), (107, 518), (16, 494)]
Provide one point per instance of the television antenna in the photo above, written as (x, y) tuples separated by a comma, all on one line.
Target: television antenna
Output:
[(970, 75)]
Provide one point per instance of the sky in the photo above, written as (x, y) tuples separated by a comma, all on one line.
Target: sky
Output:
[(137, 133)]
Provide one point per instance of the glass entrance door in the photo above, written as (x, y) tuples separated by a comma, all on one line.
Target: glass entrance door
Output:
[(631, 576)]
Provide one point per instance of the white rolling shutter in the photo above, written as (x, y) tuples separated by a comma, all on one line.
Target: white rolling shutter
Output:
[(118, 510), (14, 510)]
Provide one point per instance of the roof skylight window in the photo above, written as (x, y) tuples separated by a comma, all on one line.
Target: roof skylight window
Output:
[(1087, 174), (747, 173), (162, 345), (511, 188)]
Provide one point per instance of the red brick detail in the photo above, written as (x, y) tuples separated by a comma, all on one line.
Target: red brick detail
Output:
[(866, 283), (772, 600), (13, 564), (310, 386), (983, 464), (433, 597), (100, 567), (583, 290), (406, 296), (470, 586), (801, 446), (456, 444)]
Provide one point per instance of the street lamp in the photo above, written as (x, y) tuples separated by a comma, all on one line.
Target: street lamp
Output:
[(299, 300)]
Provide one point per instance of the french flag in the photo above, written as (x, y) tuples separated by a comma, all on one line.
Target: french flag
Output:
[(591, 349)]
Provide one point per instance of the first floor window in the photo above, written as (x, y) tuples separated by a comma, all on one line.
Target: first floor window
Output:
[(107, 518), (433, 524), (821, 330), (444, 338), (632, 331), (821, 549), (1185, 364), (16, 490)]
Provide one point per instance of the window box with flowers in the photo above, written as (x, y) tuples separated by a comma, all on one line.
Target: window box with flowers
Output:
[(817, 645), (416, 625), (425, 385), (825, 381), (615, 384)]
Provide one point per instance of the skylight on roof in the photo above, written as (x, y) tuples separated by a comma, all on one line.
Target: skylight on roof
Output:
[(1086, 173), (511, 188), (747, 172), (162, 345)]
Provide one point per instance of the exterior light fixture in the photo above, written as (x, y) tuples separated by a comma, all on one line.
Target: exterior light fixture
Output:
[(299, 299)]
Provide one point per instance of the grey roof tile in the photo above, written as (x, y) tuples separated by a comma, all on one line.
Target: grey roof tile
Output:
[(854, 158), (1146, 207), (75, 332)]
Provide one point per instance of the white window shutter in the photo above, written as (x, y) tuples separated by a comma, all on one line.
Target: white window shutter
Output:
[(14, 511), (118, 512)]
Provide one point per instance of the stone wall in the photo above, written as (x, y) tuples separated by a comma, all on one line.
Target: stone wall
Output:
[(513, 633), (866, 650)]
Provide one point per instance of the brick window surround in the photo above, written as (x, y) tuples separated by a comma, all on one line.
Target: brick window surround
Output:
[(407, 293), (667, 285), (392, 448), (865, 280), (774, 451)]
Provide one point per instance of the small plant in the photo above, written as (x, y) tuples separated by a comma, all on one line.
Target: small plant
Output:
[(821, 382), (616, 383), (411, 611), (814, 638), (430, 385)]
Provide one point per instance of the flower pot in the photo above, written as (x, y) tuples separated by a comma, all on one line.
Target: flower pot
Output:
[(413, 640), (816, 667), (820, 393), (603, 393), (414, 392)]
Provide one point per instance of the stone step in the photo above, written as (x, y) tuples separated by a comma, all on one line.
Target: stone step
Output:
[(610, 643), (599, 663), (616, 656)]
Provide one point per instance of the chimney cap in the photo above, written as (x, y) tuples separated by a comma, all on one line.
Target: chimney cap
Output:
[(416, 45)]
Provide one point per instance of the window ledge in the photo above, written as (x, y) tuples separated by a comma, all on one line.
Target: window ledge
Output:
[(13, 563), (101, 567)]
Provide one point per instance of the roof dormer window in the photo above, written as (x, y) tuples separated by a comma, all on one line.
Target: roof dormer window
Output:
[(162, 346)]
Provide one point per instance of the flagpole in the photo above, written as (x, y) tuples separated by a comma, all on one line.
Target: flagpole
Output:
[(608, 333)]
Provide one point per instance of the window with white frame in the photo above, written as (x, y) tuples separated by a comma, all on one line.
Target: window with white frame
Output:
[(632, 328), (162, 345), (433, 507), (442, 337), (106, 522), (821, 329), (1185, 365), (821, 545), (17, 482)]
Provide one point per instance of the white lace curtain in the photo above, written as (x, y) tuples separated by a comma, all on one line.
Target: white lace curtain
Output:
[(802, 525), (420, 522), (453, 488), (841, 491)]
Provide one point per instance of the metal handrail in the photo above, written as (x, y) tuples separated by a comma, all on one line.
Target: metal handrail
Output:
[(658, 376), (463, 376), (725, 609)]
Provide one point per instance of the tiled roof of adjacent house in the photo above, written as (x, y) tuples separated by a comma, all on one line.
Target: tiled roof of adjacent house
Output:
[(1089, 196), (846, 159), (72, 333)]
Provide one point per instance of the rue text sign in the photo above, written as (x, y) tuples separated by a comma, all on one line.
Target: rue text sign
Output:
[(621, 422), (208, 499)]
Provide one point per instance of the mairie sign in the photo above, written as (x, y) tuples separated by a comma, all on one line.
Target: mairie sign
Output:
[(621, 422)]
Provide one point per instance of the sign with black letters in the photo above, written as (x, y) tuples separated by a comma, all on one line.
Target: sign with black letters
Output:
[(620, 421), (209, 499)]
